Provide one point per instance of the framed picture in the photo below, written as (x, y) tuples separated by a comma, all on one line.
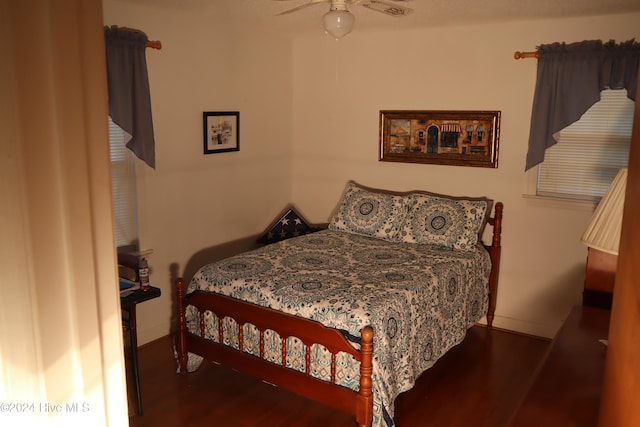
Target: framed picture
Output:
[(221, 131), (460, 138)]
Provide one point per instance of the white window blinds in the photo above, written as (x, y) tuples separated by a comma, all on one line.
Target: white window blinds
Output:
[(589, 152), (123, 187)]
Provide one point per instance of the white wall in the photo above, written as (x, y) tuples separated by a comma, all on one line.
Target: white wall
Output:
[(192, 201), (340, 87), (309, 122)]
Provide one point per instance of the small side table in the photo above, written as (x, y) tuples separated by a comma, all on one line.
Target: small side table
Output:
[(128, 305), (600, 278)]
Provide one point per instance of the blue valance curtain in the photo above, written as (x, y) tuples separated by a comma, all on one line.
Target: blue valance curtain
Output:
[(129, 96), (569, 81)]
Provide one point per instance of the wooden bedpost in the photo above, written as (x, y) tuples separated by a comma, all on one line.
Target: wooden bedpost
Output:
[(364, 415), (494, 252), (181, 344)]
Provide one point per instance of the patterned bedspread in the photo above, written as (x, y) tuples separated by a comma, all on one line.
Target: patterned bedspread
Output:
[(419, 299)]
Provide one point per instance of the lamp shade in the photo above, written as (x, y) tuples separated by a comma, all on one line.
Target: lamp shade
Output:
[(338, 23), (603, 232)]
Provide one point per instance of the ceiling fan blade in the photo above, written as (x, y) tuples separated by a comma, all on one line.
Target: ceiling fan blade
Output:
[(387, 8), (302, 6)]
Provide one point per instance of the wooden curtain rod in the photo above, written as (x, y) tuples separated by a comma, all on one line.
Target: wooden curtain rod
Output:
[(522, 55), (154, 44)]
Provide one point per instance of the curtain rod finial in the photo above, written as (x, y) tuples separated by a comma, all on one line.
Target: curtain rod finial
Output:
[(522, 55), (154, 44)]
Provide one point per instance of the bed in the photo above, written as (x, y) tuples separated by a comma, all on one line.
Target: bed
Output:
[(350, 315)]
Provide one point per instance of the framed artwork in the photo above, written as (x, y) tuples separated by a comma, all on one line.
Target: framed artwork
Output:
[(459, 138), (221, 131)]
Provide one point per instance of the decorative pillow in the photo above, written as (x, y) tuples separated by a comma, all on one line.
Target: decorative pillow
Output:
[(455, 223), (370, 212)]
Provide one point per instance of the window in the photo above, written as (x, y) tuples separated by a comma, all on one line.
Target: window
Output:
[(123, 188), (589, 152)]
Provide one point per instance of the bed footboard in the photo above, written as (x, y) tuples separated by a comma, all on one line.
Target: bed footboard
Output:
[(359, 403)]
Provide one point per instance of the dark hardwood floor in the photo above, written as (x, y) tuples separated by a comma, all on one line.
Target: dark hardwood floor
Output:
[(478, 383)]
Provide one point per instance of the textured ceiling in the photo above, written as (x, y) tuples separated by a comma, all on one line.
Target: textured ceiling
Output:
[(427, 13)]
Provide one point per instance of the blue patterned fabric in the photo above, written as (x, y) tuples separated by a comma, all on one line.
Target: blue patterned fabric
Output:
[(370, 212), (419, 299), (454, 223)]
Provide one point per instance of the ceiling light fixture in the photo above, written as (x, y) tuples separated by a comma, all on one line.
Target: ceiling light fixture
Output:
[(338, 22)]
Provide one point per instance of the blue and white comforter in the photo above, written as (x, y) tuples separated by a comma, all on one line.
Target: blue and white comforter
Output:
[(419, 299)]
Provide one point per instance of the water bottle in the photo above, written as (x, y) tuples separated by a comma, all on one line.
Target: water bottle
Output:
[(143, 272)]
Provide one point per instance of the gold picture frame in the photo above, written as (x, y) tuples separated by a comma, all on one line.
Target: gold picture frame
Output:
[(457, 138)]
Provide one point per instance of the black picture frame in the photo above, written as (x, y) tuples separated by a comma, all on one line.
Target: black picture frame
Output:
[(221, 131)]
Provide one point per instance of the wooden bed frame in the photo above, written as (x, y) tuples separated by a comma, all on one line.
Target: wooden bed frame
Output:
[(359, 403)]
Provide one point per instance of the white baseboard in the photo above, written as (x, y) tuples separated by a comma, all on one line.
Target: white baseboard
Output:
[(546, 330), (146, 335)]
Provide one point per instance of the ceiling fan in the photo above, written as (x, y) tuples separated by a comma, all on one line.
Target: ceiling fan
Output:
[(338, 22)]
